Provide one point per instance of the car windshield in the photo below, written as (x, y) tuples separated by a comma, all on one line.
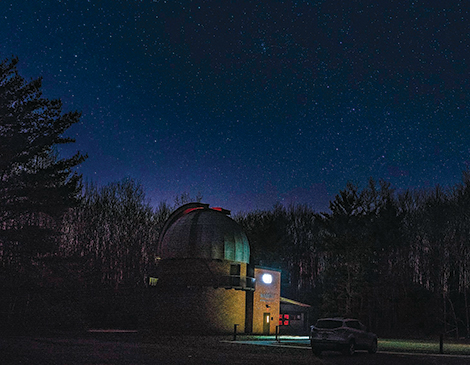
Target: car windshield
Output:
[(329, 324), (354, 324)]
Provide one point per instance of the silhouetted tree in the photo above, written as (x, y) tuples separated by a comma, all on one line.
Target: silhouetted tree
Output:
[(461, 248), (36, 186), (114, 232), (287, 239), (346, 249), (362, 237), (267, 234), (114, 228)]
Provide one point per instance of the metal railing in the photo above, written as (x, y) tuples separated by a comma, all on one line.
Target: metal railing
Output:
[(237, 282)]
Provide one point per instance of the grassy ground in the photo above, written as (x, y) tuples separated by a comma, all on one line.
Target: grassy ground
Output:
[(393, 345), (424, 346)]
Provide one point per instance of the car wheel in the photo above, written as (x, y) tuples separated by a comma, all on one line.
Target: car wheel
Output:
[(373, 347), (351, 349), (316, 351)]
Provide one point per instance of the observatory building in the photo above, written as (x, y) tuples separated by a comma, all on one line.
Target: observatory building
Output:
[(204, 281)]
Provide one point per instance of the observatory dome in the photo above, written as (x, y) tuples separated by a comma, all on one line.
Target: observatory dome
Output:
[(197, 231)]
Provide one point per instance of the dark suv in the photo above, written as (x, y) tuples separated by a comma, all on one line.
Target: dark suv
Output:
[(340, 334)]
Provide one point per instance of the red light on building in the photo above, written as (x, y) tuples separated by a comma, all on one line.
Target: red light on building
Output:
[(284, 319)]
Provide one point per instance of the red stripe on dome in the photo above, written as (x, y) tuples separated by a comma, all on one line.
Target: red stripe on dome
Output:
[(189, 210), (219, 209)]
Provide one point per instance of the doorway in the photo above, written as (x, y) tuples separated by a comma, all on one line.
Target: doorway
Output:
[(266, 323)]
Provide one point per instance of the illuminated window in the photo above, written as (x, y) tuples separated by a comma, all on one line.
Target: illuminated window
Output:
[(284, 320), (153, 281)]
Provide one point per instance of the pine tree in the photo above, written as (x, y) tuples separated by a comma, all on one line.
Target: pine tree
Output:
[(36, 185)]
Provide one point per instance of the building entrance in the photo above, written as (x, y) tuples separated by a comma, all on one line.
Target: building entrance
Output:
[(266, 323)]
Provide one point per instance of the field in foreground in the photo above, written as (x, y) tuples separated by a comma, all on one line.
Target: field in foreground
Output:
[(141, 349)]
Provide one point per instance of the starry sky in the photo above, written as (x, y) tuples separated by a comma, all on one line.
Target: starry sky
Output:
[(249, 103)]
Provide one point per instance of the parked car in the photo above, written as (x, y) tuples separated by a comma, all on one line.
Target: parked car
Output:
[(341, 334)]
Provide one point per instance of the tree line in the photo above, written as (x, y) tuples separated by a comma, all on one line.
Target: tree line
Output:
[(399, 261), (74, 254)]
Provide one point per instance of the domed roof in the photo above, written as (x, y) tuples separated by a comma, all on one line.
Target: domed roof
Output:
[(197, 231)]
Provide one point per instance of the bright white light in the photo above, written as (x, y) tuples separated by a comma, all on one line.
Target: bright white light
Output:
[(267, 278)]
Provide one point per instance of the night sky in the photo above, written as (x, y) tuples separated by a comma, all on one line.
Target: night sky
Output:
[(250, 103)]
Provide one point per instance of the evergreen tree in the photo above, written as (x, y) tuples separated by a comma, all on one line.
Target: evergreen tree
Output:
[(36, 185)]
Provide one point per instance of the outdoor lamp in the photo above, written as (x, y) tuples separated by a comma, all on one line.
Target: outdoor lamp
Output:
[(267, 278)]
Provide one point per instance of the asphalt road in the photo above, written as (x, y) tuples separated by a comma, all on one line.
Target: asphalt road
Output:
[(133, 348)]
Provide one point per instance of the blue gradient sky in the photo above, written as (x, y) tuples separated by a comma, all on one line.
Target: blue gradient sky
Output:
[(254, 102)]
